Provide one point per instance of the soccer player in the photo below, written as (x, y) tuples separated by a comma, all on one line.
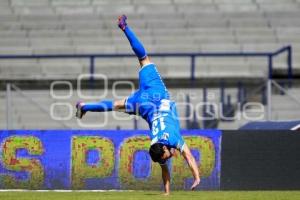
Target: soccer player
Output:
[(151, 101)]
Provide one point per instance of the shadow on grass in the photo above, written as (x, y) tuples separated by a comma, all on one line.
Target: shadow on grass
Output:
[(151, 194)]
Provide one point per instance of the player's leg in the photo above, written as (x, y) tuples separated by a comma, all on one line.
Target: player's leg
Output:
[(102, 106), (136, 45), (149, 77)]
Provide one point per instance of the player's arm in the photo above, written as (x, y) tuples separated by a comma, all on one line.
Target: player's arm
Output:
[(102, 106), (166, 178), (186, 153), (135, 43)]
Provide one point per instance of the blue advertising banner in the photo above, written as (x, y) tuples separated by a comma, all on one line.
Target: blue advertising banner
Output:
[(101, 159)]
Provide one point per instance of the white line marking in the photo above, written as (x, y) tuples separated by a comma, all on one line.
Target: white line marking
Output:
[(21, 190)]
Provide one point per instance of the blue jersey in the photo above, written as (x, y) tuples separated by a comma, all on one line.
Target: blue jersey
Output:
[(152, 102)]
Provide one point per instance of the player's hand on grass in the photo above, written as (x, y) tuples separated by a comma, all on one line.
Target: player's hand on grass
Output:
[(166, 194), (79, 112), (196, 182)]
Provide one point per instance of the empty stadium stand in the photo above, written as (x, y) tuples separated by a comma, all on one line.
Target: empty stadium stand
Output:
[(89, 26), (36, 27), (45, 109)]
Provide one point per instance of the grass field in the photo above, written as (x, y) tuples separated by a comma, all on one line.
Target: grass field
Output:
[(150, 195)]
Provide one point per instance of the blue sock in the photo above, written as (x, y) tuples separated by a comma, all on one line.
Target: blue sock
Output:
[(101, 106), (136, 45)]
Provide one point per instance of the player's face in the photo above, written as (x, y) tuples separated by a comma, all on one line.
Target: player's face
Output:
[(167, 154)]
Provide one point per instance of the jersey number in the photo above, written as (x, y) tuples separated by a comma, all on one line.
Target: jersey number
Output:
[(158, 125)]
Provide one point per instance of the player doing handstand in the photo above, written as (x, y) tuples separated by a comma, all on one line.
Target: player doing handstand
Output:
[(152, 102)]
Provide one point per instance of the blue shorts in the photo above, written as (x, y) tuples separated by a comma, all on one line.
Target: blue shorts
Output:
[(151, 90), (152, 102)]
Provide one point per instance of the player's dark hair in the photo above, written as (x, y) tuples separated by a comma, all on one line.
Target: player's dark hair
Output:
[(156, 151)]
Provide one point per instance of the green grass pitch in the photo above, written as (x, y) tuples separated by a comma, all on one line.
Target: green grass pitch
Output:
[(153, 195)]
